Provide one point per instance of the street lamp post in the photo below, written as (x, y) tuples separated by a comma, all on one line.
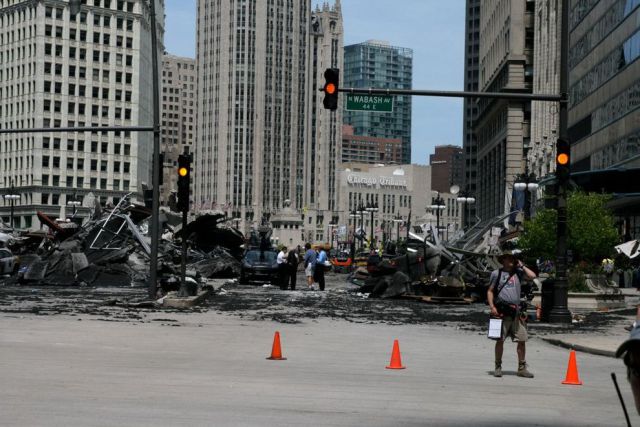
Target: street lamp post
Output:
[(12, 197), (372, 208), (438, 205), (398, 220), (527, 183), (75, 203), (362, 210), (465, 199)]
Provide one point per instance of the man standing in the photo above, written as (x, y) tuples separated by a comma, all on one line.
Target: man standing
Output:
[(282, 268), (630, 351), (320, 264), (504, 301), (310, 259), (293, 261)]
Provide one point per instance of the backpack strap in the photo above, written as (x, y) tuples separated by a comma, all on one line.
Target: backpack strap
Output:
[(500, 287)]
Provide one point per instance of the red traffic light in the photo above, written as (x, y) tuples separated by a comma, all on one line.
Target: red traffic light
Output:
[(332, 81), (330, 88), (562, 159)]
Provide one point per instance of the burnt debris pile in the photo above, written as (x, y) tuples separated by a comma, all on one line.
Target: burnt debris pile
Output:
[(113, 249)]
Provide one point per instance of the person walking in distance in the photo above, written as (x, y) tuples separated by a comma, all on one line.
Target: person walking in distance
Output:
[(309, 264), (504, 300), (320, 265), (283, 268), (292, 262)]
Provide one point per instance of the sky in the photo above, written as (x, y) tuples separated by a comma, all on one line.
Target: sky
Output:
[(434, 29)]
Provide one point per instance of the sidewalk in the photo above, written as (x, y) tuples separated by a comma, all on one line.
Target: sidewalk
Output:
[(604, 341)]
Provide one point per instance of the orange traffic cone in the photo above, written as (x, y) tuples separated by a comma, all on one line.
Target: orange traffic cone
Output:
[(396, 361), (276, 351), (572, 371)]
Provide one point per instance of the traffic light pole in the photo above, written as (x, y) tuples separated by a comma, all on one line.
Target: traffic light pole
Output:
[(155, 170), (560, 312), (183, 263)]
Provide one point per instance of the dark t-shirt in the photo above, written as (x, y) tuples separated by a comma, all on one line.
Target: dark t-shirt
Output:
[(510, 284)]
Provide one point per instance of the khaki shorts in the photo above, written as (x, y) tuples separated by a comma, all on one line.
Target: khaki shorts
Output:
[(514, 328), (309, 271)]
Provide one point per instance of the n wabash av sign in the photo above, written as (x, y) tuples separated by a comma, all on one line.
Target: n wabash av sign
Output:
[(376, 103)]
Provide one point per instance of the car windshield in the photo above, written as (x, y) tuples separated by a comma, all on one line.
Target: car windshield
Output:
[(257, 256)]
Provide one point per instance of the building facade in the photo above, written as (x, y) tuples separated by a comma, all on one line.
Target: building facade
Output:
[(604, 84), (369, 149), (178, 115), (377, 64), (61, 72), (266, 149), (604, 94), (546, 79), (446, 167), (471, 79), (399, 191), (502, 127), (323, 147)]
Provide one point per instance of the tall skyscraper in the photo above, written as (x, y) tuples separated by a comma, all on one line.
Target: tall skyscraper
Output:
[(61, 72), (323, 149), (377, 64), (252, 66), (178, 116), (502, 127), (471, 79)]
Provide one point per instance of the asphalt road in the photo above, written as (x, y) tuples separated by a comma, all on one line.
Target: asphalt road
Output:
[(104, 365)]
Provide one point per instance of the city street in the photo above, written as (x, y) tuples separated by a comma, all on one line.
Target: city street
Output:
[(209, 367)]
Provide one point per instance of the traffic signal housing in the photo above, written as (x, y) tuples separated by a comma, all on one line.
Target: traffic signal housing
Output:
[(184, 182), (563, 160), (330, 89)]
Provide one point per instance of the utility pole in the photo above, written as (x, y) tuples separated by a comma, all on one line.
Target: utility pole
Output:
[(560, 311)]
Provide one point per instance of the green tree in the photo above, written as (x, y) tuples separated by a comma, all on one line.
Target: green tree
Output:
[(592, 231)]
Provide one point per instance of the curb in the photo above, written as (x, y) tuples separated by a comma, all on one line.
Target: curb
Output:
[(581, 348)]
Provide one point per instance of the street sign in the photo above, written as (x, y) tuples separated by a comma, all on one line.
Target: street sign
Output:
[(377, 103)]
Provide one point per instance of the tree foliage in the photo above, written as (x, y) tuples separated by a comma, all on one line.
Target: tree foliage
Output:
[(592, 231)]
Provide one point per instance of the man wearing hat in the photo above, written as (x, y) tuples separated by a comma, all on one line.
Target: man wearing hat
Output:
[(504, 301), (630, 350)]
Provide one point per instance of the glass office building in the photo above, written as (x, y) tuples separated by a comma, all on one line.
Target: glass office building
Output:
[(376, 64)]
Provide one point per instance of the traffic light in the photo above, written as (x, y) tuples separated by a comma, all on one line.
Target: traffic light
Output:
[(563, 160), (330, 89), (184, 181)]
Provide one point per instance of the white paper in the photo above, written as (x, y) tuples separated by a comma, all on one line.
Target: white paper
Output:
[(495, 329)]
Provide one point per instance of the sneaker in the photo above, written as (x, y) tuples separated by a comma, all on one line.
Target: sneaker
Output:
[(498, 371), (523, 371)]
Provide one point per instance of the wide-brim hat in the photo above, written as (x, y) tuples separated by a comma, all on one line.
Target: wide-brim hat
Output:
[(633, 341), (508, 254)]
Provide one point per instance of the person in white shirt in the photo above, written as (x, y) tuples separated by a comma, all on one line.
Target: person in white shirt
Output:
[(283, 279)]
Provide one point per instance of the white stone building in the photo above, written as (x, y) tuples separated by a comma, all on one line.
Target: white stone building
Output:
[(93, 70), (397, 190), (265, 146), (546, 65)]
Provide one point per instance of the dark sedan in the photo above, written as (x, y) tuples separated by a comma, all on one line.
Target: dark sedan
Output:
[(259, 266)]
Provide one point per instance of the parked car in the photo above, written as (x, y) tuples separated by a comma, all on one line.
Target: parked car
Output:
[(259, 266), (8, 262)]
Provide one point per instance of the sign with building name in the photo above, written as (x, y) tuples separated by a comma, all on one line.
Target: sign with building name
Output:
[(375, 181), (377, 103)]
